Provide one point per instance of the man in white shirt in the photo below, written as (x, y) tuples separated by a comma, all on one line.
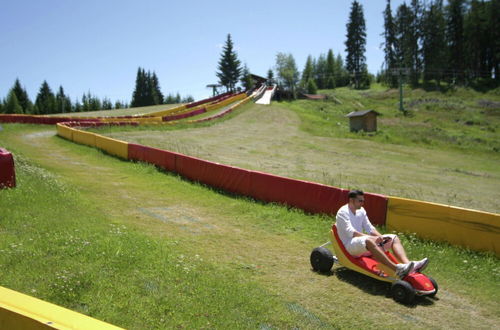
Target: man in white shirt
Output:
[(361, 238)]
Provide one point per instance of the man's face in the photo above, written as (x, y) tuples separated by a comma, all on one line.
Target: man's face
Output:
[(358, 201)]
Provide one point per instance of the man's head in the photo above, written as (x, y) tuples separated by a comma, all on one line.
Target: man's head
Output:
[(356, 199)]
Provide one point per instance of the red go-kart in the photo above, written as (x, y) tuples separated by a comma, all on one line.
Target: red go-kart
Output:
[(403, 290)]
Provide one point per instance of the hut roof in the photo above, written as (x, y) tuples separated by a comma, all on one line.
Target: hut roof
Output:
[(361, 113)]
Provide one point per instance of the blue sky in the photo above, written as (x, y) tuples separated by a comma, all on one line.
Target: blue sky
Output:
[(97, 45)]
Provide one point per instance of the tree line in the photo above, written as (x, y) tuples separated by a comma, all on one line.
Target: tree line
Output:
[(428, 42), (48, 102), (147, 92)]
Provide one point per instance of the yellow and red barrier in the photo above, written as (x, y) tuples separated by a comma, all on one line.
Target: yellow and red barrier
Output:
[(469, 228)]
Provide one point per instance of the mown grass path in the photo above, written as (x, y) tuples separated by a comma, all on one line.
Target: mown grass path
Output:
[(270, 139), (265, 244)]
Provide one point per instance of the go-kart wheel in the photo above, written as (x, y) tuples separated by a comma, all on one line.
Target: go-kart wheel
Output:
[(403, 292), (434, 283), (321, 259)]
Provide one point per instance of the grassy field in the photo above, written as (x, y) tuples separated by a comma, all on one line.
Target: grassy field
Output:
[(142, 249), (422, 156)]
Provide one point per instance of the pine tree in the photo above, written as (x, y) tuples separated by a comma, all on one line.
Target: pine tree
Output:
[(63, 102), (22, 97), (188, 99), (106, 104), (270, 77), (403, 42), (157, 95), (308, 72), (229, 69), (77, 107), (389, 45), (356, 43), (433, 43), (45, 100), (320, 71), (139, 94), (246, 79), (311, 87), (455, 39), (12, 104), (414, 42), (342, 78), (477, 40), (494, 39), (147, 89), (330, 70)]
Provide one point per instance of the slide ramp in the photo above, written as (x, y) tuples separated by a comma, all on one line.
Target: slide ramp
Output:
[(268, 95)]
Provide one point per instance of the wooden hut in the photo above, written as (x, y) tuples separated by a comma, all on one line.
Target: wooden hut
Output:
[(365, 120)]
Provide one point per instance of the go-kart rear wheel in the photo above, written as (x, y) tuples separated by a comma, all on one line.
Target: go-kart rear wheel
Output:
[(403, 292), (321, 259), (434, 283)]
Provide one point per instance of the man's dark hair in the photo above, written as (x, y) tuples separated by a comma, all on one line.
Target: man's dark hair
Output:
[(355, 193)]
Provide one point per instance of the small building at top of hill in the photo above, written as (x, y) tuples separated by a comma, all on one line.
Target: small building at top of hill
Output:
[(365, 120)]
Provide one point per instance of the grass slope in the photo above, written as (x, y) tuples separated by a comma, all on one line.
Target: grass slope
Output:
[(140, 248), (439, 153)]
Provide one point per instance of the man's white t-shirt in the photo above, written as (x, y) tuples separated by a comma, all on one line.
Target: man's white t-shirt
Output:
[(348, 222)]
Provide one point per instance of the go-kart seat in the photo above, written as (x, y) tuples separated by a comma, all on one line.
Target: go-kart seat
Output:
[(366, 264)]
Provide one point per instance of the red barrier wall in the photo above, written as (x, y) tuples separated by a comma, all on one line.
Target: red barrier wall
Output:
[(184, 115), (232, 179), (7, 171), (194, 104), (308, 196), (161, 158)]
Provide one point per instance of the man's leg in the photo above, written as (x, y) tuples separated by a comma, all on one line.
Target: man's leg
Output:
[(399, 251), (378, 253)]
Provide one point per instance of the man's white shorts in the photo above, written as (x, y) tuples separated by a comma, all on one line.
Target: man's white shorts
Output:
[(357, 246)]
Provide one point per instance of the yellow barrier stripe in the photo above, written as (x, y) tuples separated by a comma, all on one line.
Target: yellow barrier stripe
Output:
[(468, 228), (83, 137), (20, 311), (167, 112), (65, 131), (112, 146)]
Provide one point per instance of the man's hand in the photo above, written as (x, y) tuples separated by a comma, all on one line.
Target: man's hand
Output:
[(381, 240)]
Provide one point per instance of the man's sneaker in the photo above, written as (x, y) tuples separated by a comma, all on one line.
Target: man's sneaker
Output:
[(404, 269), (420, 265)]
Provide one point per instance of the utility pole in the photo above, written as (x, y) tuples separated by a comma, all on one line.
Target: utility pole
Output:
[(400, 72)]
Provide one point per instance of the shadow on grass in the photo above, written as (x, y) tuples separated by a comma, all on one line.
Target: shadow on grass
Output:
[(372, 286)]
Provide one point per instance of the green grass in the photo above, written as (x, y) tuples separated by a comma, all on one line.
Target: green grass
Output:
[(456, 120), (66, 250), (311, 140), (139, 248)]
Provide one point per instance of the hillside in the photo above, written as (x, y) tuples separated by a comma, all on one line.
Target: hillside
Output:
[(446, 150)]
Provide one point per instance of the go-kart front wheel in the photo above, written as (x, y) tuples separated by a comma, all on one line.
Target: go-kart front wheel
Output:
[(403, 292), (321, 259)]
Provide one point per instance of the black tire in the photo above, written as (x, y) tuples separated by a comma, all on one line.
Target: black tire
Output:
[(403, 292), (434, 283), (321, 259)]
